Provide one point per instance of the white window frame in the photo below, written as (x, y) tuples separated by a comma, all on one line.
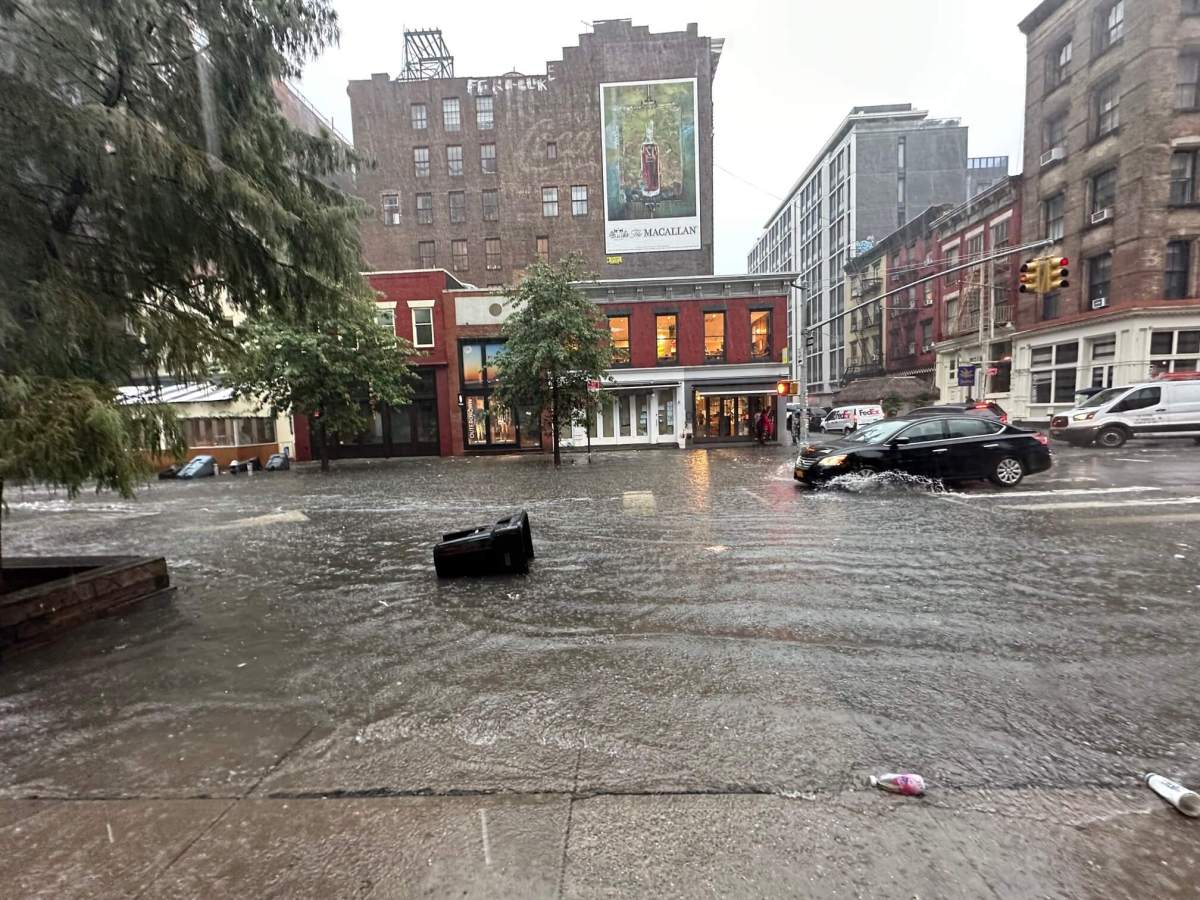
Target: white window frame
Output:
[(391, 211), (422, 306)]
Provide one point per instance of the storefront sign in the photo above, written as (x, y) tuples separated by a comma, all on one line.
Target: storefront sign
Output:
[(651, 166), (966, 376), (593, 385)]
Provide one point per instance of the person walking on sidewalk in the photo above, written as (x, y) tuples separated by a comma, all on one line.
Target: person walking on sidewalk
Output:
[(760, 426)]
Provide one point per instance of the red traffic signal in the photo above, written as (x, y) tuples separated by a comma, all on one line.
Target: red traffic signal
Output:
[(1058, 274)]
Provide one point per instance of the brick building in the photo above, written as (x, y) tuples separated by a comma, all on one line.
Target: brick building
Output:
[(1112, 140), (698, 357), (482, 175), (977, 307)]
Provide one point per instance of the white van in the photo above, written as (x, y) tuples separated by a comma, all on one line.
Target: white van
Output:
[(1162, 408), (850, 418)]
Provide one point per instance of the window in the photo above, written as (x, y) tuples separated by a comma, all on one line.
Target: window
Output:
[(1104, 190), (1179, 260), (976, 426), (454, 165), (385, 318), (542, 247), (551, 150), (1168, 349), (924, 431), (1055, 208), (1139, 399), (618, 330), (421, 162), (491, 206), (420, 117), (900, 153), (1191, 7), (483, 113), (1105, 108), (390, 202), (422, 321), (1110, 25), (1053, 373), (1187, 82), (1000, 235), (579, 199), (1050, 306), (458, 255), (424, 209), (487, 158), (457, 207), (760, 334), (425, 254), (1183, 176), (1055, 132), (491, 252), (926, 335), (950, 259), (665, 338), (1099, 275), (451, 114), (549, 202), (714, 336), (1058, 62)]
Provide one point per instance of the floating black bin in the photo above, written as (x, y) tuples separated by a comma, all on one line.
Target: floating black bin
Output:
[(503, 548)]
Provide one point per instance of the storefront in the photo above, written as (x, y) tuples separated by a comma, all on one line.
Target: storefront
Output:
[(488, 424), (641, 414), (410, 430), (721, 414)]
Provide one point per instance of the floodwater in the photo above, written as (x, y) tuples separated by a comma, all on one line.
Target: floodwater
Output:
[(693, 622)]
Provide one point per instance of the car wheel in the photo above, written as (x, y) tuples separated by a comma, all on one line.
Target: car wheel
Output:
[(1112, 437), (1008, 472)]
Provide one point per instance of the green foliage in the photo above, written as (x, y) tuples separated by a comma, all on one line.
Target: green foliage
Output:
[(324, 369), (67, 432), (556, 340), (150, 189)]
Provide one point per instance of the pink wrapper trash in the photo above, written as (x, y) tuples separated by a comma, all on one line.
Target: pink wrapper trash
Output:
[(900, 783)]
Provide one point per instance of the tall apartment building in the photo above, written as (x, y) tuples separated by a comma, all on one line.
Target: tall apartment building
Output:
[(1112, 146), (608, 154), (882, 165)]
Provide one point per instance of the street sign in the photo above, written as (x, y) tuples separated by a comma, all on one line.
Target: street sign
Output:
[(593, 385), (966, 376)]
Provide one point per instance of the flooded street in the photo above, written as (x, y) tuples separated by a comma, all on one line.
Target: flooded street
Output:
[(700, 671)]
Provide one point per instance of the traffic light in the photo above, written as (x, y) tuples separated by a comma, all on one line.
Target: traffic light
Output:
[(782, 388), (1033, 276), (1058, 272)]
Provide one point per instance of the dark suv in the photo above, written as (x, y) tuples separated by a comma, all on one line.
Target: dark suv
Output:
[(984, 408)]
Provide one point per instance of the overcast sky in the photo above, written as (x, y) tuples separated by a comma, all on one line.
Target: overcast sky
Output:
[(790, 72)]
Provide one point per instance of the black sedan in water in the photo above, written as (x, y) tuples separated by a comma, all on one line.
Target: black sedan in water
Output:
[(950, 448)]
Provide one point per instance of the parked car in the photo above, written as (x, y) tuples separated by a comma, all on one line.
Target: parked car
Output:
[(976, 408), (844, 419), (1166, 407), (950, 448)]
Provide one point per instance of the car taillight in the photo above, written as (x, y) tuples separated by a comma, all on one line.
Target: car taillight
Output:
[(1041, 439)]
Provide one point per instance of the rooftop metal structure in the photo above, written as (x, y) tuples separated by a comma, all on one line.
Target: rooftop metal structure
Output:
[(426, 56)]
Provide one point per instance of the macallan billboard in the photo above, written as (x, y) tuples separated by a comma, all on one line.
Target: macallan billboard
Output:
[(651, 168)]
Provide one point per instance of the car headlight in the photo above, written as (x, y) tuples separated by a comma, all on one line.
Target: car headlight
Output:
[(838, 460), (1083, 417)]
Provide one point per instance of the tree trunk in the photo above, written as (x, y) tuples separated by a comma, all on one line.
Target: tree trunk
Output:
[(323, 445), (1, 535), (554, 417)]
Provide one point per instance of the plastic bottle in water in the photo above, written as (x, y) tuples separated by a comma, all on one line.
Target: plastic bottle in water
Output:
[(900, 783), (1187, 802)]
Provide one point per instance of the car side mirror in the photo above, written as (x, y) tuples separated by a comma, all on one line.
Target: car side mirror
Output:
[(899, 441)]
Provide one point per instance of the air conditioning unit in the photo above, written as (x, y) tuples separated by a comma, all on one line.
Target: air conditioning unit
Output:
[(1102, 215), (912, 348), (1099, 302), (925, 348), (1054, 154), (929, 301)]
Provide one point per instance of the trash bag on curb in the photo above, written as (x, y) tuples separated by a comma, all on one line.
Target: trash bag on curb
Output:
[(503, 548)]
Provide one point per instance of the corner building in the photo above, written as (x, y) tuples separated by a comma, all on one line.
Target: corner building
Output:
[(480, 176), (1112, 146)]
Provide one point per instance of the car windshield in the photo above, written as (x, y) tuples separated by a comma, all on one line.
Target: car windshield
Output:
[(1103, 397), (878, 432)]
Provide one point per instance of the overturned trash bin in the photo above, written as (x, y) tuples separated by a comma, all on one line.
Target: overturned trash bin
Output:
[(503, 548), (199, 467)]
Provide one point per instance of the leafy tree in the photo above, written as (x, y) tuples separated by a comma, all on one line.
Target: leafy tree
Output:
[(324, 370), (556, 341), (150, 188)]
